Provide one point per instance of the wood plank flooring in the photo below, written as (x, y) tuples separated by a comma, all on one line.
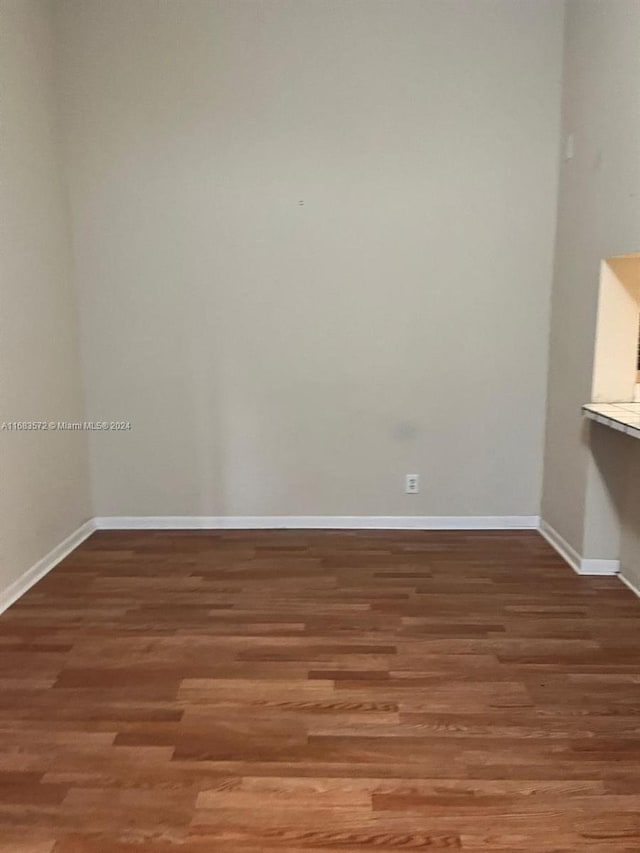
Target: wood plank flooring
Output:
[(291, 692)]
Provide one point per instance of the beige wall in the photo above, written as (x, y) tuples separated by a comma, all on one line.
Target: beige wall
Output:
[(314, 247), (598, 216), (44, 482), (630, 540)]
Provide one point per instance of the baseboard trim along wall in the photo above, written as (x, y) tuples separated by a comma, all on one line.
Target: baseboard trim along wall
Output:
[(18, 588), (566, 551), (634, 589), (309, 522), (319, 522), (580, 565)]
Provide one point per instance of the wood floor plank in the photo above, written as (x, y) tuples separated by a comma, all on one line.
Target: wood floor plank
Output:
[(343, 691)]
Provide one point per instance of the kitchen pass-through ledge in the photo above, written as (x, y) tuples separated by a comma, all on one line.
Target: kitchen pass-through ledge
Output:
[(625, 417)]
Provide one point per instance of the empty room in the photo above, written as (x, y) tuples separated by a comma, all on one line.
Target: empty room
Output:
[(319, 421)]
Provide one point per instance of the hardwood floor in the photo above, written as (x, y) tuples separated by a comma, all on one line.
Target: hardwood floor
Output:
[(207, 692)]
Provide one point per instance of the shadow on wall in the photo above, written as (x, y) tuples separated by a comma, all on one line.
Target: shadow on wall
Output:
[(630, 519), (608, 448)]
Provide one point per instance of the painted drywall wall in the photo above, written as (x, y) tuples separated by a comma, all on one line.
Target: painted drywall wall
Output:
[(598, 216), (313, 241), (630, 517), (44, 476)]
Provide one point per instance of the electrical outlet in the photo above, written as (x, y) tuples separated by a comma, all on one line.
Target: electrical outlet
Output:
[(412, 484)]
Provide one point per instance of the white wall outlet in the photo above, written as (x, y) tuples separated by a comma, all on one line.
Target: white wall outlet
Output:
[(412, 484)]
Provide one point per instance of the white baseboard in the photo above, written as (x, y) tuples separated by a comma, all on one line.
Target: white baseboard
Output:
[(566, 551), (580, 565), (18, 588), (630, 584), (319, 522), (299, 522), (599, 567)]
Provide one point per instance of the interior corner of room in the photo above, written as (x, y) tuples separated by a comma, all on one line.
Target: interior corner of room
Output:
[(319, 408), (254, 261)]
